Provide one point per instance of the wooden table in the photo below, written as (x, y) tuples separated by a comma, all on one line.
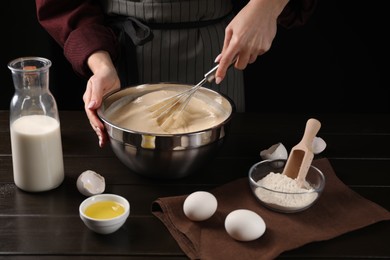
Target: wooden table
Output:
[(47, 225)]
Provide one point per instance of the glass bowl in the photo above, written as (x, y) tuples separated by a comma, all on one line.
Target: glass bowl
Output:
[(280, 193)]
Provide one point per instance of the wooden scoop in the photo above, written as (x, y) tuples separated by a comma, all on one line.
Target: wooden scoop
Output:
[(301, 155)]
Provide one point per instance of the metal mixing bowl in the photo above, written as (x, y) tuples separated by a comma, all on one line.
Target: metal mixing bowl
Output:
[(166, 156)]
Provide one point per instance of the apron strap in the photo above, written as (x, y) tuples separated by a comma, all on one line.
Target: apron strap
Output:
[(138, 32), (131, 33)]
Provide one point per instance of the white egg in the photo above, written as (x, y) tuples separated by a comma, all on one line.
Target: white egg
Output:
[(244, 225), (318, 145), (90, 183), (200, 205), (275, 152)]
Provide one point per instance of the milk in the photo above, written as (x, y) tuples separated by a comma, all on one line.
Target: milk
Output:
[(37, 153)]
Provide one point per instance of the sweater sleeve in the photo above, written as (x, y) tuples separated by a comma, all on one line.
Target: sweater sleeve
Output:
[(297, 13), (78, 27)]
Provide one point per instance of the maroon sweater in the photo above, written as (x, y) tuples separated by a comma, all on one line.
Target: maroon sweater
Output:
[(80, 29)]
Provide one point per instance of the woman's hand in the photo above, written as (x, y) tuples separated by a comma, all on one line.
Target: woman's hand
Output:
[(104, 80), (249, 35)]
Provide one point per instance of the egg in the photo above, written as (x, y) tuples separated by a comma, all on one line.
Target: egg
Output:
[(244, 225), (200, 205), (90, 183), (275, 152), (318, 145)]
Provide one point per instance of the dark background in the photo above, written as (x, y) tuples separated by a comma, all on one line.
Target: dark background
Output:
[(337, 62)]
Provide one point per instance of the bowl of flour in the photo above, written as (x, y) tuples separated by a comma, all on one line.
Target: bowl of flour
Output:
[(281, 193)]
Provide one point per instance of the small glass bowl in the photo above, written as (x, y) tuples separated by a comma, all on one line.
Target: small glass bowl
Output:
[(279, 192)]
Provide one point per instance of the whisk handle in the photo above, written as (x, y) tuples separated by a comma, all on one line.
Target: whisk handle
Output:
[(210, 76)]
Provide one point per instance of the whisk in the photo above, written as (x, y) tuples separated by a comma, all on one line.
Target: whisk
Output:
[(168, 109)]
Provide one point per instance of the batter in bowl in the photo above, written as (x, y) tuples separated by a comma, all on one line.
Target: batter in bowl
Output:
[(137, 115)]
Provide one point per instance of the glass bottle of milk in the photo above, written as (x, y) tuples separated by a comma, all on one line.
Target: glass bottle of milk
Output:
[(35, 127)]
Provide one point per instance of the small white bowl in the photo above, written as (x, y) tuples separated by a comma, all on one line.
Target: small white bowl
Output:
[(109, 225), (285, 198)]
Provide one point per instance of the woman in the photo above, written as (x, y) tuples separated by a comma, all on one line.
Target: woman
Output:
[(117, 43)]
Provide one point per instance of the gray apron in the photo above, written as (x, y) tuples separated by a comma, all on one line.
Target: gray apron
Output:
[(173, 41)]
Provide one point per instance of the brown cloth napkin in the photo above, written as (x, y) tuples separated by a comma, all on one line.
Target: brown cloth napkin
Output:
[(339, 210)]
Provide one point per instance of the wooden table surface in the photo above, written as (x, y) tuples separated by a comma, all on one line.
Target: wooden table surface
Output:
[(47, 225)]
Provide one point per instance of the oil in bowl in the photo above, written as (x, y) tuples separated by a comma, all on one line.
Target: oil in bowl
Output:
[(104, 213)]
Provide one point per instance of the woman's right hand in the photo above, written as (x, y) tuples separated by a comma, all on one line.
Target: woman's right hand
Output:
[(249, 35), (104, 80)]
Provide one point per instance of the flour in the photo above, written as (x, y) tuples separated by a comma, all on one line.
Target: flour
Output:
[(301, 198)]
